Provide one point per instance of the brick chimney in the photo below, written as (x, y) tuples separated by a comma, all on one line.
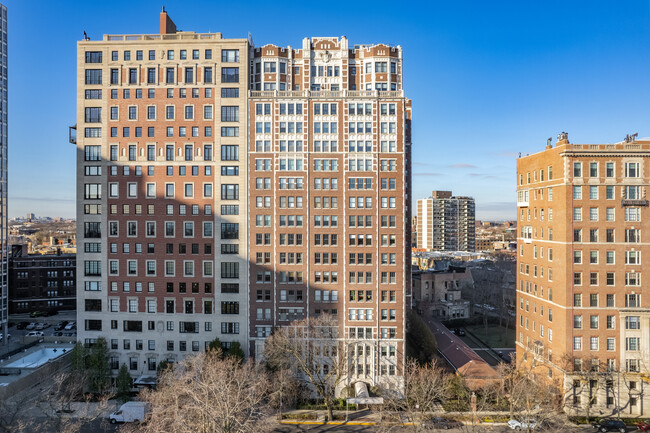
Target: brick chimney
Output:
[(166, 24)]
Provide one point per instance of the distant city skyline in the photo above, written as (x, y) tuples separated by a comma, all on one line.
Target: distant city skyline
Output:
[(504, 81)]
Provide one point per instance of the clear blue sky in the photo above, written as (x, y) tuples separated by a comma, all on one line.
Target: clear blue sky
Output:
[(488, 79)]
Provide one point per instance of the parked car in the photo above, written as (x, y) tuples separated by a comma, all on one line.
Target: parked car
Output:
[(31, 326), (69, 334), (70, 326), (59, 326), (40, 326), (35, 334), (527, 424), (132, 411), (605, 425), (643, 425), (460, 332), (21, 325), (58, 334), (441, 423)]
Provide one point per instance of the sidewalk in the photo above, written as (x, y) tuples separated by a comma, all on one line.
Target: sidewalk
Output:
[(354, 417), (80, 410)]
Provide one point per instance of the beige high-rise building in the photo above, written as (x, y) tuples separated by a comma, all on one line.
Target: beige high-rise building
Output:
[(226, 189), (446, 222), (583, 316), (162, 194)]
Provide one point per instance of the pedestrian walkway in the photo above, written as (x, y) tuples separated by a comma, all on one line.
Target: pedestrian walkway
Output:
[(341, 417)]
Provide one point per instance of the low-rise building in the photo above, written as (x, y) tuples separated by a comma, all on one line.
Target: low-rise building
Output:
[(484, 244), (439, 291), (463, 359), (41, 282)]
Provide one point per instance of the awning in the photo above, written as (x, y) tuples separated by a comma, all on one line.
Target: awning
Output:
[(145, 381), (362, 396)]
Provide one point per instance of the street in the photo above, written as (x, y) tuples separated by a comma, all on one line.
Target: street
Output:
[(372, 428)]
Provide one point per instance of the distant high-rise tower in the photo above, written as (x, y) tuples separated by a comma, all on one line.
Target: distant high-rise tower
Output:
[(446, 223), (4, 251)]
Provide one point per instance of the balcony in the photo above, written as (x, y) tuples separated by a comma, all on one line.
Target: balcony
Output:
[(634, 202)]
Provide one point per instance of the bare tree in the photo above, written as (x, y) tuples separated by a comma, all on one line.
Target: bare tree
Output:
[(531, 394), (312, 350), (65, 407), (425, 387), (582, 388), (595, 389), (13, 417), (205, 393), (286, 391)]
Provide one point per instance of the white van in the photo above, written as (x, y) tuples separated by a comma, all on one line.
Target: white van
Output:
[(131, 411)]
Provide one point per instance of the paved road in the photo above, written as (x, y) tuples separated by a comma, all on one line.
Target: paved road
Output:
[(397, 429), (286, 428)]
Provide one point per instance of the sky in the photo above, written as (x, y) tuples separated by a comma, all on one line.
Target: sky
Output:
[(488, 79)]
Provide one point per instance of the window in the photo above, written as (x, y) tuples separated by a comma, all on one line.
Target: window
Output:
[(633, 322), (632, 343), (577, 169), (230, 75), (229, 270), (230, 153), (577, 193), (94, 76), (577, 214), (229, 56), (577, 343), (632, 169), (577, 322), (230, 131), (93, 115), (189, 112), (229, 192), (229, 92), (230, 114), (189, 75)]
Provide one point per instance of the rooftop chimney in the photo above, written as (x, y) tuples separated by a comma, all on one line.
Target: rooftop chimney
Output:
[(166, 24), (562, 138)]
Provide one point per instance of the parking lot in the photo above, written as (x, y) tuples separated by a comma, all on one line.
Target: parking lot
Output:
[(21, 325)]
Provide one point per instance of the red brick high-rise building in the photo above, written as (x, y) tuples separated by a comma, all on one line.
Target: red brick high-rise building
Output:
[(582, 312)]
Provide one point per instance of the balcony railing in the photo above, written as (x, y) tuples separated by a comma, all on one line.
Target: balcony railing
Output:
[(170, 36), (634, 202), (326, 94)]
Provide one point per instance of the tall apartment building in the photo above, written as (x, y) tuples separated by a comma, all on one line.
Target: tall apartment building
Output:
[(162, 193), (446, 223), (329, 164), (583, 314), (308, 154), (4, 221)]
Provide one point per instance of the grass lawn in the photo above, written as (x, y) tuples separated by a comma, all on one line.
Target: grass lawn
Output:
[(496, 336)]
